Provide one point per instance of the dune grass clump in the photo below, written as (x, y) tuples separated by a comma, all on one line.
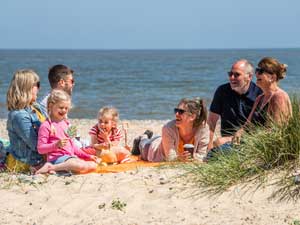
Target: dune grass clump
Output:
[(262, 152)]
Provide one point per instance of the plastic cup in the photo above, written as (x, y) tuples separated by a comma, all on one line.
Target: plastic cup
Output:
[(189, 148)]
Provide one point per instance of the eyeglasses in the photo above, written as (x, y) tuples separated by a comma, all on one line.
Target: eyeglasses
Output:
[(179, 111), (260, 71), (235, 74), (37, 84)]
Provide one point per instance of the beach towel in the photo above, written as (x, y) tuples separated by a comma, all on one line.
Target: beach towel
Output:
[(133, 165), (127, 166)]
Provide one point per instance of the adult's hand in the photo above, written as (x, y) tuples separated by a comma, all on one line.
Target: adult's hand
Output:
[(210, 145), (184, 156), (237, 136)]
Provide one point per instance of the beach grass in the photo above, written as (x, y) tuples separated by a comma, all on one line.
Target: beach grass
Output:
[(264, 152)]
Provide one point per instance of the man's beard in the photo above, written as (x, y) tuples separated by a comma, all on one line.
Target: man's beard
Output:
[(241, 89)]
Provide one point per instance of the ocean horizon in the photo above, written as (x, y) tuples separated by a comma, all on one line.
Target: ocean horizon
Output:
[(141, 83)]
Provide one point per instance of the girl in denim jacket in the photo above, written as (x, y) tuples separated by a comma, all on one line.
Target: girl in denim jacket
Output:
[(23, 121)]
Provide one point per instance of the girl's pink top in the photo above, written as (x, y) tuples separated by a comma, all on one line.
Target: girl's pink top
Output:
[(50, 133)]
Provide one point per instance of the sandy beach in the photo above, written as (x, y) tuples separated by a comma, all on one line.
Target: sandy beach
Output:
[(141, 196)]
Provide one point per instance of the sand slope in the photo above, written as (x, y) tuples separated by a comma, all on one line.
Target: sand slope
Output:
[(151, 195)]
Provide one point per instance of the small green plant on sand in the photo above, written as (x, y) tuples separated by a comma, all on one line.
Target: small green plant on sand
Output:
[(263, 152), (11, 179), (296, 222), (118, 204)]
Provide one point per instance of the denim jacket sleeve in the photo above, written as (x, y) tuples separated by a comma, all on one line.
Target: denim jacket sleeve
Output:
[(26, 129)]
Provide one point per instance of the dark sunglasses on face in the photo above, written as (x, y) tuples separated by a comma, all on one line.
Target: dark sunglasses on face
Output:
[(235, 74), (260, 71), (179, 111), (38, 84)]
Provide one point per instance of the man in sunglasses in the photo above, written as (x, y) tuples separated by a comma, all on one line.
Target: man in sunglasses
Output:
[(60, 78), (232, 103)]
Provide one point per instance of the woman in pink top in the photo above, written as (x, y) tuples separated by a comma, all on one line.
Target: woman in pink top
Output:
[(274, 104), (55, 141)]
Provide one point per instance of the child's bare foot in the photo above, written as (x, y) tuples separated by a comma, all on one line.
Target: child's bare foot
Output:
[(47, 168), (2, 167)]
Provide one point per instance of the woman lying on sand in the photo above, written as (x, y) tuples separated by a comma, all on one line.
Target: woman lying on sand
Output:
[(188, 127)]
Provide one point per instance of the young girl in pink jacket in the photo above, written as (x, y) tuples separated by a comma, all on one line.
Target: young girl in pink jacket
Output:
[(54, 139)]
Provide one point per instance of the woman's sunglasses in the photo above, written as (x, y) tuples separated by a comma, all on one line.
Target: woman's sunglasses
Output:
[(38, 84), (260, 71), (179, 111)]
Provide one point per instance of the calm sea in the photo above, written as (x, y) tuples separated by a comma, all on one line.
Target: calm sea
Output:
[(142, 84)]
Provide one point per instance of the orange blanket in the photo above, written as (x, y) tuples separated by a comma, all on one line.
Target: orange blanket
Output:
[(126, 166)]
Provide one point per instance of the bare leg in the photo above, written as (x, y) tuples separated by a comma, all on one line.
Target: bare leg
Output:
[(123, 155), (72, 164), (222, 140), (47, 168)]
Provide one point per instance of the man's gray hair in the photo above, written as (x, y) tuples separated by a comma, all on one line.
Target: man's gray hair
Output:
[(249, 68)]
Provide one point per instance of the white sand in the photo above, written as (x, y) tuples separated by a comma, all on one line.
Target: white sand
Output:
[(152, 196)]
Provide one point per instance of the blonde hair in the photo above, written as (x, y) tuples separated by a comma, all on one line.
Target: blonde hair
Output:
[(57, 96), (107, 111), (19, 93)]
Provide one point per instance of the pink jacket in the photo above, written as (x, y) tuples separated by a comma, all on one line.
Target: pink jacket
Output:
[(49, 134)]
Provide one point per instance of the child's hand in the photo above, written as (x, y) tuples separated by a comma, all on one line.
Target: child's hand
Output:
[(104, 134), (62, 142), (96, 159)]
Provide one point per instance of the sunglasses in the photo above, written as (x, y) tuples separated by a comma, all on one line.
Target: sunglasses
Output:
[(235, 74), (260, 71), (38, 84), (179, 111)]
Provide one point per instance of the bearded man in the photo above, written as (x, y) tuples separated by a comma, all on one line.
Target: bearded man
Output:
[(232, 103)]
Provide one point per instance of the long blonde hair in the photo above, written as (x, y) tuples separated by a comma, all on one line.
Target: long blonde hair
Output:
[(19, 94)]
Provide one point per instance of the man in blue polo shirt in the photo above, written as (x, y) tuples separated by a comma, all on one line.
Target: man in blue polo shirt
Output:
[(232, 103)]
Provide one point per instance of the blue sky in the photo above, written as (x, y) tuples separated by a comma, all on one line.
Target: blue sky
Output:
[(151, 24)]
